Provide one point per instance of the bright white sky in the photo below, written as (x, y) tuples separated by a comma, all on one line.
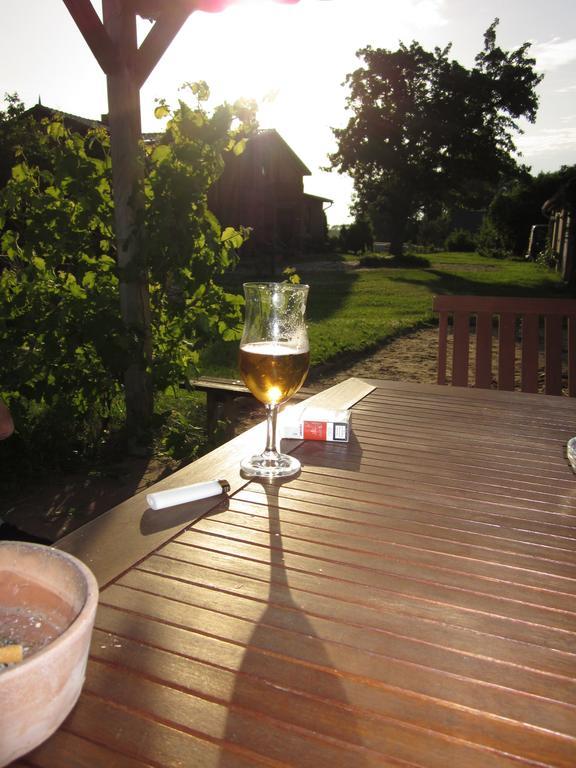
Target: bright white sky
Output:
[(293, 59)]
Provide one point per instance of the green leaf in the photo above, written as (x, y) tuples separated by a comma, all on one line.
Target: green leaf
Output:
[(39, 263), (89, 279), (213, 221), (20, 172), (231, 238), (239, 147), (290, 275), (201, 90), (56, 130), (161, 111), (161, 153)]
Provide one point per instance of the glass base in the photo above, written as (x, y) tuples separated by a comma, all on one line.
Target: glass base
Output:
[(270, 464)]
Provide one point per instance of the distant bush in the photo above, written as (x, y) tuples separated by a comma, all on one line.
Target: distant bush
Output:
[(357, 237), (432, 233), (460, 240), (491, 242), (373, 260), (407, 261)]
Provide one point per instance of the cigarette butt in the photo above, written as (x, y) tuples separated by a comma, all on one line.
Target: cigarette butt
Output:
[(11, 654)]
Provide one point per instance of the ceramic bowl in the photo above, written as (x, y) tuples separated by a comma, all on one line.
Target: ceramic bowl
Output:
[(54, 596), (571, 453)]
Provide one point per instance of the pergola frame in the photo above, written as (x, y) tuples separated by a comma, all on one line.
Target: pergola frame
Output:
[(127, 66)]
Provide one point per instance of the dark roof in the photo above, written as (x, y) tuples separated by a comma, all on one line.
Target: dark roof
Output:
[(40, 112), (271, 134), (317, 197), (83, 124)]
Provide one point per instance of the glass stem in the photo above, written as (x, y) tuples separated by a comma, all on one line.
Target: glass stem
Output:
[(271, 419)]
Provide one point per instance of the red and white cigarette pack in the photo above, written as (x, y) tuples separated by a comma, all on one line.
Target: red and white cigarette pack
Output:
[(313, 423)]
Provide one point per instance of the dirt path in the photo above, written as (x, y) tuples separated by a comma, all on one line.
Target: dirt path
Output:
[(411, 357), (54, 508)]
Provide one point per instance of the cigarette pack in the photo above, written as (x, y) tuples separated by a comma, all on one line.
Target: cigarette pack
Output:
[(313, 423)]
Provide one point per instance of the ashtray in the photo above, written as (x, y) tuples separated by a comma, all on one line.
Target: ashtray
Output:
[(571, 453), (48, 602)]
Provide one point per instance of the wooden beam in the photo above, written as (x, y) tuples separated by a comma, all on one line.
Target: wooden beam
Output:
[(127, 177), (93, 31), (157, 41)]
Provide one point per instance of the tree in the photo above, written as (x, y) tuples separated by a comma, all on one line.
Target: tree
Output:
[(357, 237), (426, 132), (64, 344)]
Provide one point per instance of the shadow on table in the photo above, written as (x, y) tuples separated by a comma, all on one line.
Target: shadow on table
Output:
[(154, 520), (288, 665), (330, 455)]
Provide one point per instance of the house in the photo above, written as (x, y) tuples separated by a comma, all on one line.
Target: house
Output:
[(263, 188), (560, 210), (315, 223)]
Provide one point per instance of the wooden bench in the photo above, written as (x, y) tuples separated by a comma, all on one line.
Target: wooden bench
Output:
[(536, 325), (221, 396)]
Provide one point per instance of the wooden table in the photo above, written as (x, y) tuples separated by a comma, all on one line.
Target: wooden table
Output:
[(408, 600)]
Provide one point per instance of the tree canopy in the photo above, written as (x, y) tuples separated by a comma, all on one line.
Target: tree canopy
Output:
[(426, 131)]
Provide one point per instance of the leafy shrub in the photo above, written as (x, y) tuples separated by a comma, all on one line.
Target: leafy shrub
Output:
[(432, 233), (406, 261), (460, 240), (491, 242), (180, 430), (374, 261), (357, 237), (547, 258), (409, 261), (64, 345)]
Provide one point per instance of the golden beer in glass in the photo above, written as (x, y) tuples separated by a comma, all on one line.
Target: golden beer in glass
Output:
[(274, 361)]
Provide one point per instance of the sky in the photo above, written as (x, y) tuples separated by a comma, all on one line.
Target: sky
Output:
[(293, 60)]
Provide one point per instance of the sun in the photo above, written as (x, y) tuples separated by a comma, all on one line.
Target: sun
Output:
[(258, 38)]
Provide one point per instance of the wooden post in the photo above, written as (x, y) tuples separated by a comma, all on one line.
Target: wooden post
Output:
[(115, 46), (127, 177)]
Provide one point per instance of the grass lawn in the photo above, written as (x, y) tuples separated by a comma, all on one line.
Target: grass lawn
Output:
[(357, 309)]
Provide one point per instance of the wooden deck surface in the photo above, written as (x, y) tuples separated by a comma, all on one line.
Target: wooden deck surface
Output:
[(408, 600)]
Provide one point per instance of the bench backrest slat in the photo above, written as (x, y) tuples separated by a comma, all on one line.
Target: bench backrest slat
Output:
[(484, 350), (530, 356), (461, 349), (553, 355), (572, 356), (506, 351)]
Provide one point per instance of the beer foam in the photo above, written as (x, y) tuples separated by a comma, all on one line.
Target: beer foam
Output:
[(276, 348)]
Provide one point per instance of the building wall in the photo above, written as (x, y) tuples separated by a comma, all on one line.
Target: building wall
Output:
[(264, 189), (315, 224)]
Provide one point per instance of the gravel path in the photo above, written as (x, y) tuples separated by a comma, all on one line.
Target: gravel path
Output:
[(411, 357)]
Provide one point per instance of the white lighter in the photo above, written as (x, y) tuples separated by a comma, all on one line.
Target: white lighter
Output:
[(186, 493)]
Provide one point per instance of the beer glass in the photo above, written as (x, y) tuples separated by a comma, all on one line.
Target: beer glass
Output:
[(274, 360)]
